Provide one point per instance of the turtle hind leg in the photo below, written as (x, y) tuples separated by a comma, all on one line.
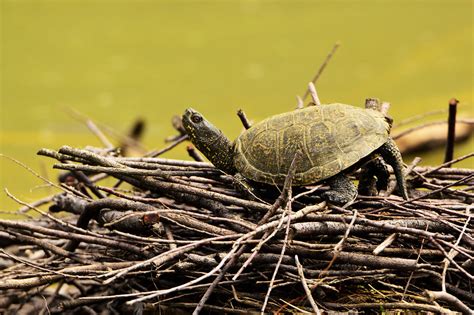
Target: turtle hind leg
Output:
[(373, 177), (390, 153), (342, 190)]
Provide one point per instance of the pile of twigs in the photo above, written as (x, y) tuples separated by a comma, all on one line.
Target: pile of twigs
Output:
[(171, 234)]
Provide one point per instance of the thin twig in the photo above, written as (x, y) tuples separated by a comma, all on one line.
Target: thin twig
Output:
[(275, 272), (306, 287), (99, 134), (419, 117), (322, 67)]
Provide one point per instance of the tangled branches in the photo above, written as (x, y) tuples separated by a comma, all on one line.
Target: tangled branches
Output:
[(177, 234)]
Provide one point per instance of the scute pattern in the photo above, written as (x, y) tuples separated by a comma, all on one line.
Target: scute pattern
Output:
[(331, 138), (262, 148)]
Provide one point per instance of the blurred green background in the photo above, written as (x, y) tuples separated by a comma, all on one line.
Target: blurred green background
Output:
[(118, 60)]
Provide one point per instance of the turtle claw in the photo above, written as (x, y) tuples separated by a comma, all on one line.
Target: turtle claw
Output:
[(243, 186), (374, 177), (342, 190), (336, 198)]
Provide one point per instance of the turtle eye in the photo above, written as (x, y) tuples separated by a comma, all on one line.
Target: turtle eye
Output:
[(196, 118)]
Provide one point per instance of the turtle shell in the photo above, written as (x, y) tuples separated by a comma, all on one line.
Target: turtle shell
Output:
[(330, 137)]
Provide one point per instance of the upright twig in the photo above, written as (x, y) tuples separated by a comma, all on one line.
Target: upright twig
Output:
[(453, 103), (372, 103), (299, 102), (314, 94), (243, 119)]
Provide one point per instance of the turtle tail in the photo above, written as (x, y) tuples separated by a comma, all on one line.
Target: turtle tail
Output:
[(391, 154)]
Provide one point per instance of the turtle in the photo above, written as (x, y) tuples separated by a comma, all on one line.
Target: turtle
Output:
[(332, 139)]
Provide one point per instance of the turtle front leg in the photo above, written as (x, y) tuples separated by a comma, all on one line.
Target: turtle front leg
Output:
[(391, 154), (342, 190), (243, 186)]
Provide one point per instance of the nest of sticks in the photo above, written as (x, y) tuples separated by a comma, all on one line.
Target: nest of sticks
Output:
[(148, 234)]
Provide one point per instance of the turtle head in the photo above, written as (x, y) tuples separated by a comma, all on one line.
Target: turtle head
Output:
[(200, 131), (209, 140)]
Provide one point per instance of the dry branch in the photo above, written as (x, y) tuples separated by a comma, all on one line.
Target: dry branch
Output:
[(178, 234)]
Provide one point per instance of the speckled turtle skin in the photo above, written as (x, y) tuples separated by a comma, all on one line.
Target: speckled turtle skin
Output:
[(331, 138)]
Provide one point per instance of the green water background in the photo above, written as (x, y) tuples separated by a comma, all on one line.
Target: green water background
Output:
[(118, 60)]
